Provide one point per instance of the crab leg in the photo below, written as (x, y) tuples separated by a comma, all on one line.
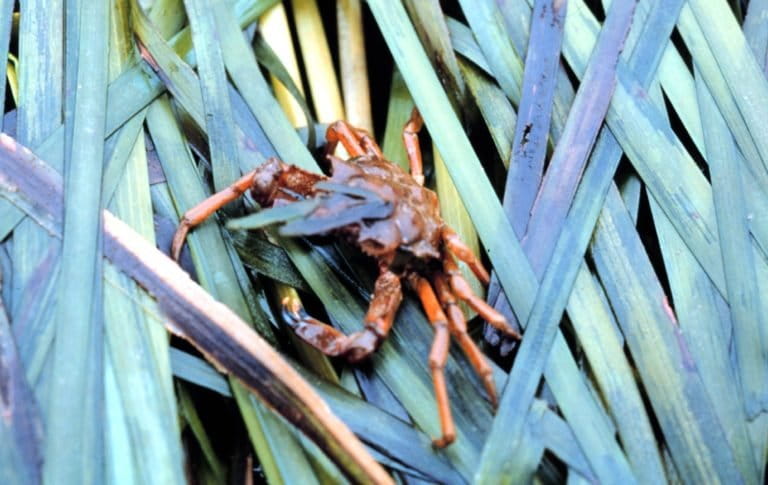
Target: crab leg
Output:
[(438, 356), (206, 208), (464, 292), (457, 324), (265, 181), (464, 253), (355, 141), (412, 147), (357, 346)]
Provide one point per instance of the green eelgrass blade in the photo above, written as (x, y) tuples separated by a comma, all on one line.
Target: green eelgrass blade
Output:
[(76, 418), (188, 410), (219, 124), (670, 376), (398, 112), (429, 21), (529, 147), (21, 429), (488, 26)]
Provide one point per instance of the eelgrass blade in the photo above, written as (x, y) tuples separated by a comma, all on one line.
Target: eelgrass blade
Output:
[(209, 324), (529, 148), (755, 30), (674, 386), (744, 76), (748, 324), (495, 232), (398, 112), (21, 429), (191, 416), (429, 22), (487, 24), (552, 298), (353, 64), (318, 65), (137, 348), (76, 417), (219, 124)]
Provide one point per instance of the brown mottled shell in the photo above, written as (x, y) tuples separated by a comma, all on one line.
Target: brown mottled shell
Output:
[(415, 224)]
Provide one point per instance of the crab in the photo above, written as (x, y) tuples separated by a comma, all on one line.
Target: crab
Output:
[(390, 216)]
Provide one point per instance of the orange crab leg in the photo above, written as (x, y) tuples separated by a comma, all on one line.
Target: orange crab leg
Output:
[(438, 356), (355, 141), (412, 146), (359, 345), (464, 292), (206, 208), (464, 253), (458, 327)]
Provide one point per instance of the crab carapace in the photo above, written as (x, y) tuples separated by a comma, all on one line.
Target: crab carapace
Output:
[(389, 214)]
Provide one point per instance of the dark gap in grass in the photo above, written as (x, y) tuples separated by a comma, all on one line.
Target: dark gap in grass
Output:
[(684, 136), (596, 7), (647, 233), (552, 469), (379, 71), (327, 10), (679, 43)]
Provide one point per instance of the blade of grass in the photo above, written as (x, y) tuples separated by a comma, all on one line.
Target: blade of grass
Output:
[(216, 272), (274, 27), (399, 110), (673, 383), (76, 418), (318, 64), (429, 21), (352, 64), (21, 429), (487, 25), (535, 112), (219, 124), (192, 418)]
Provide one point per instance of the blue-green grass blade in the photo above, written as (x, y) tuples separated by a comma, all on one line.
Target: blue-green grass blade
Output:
[(675, 389), (398, 111), (77, 347), (273, 215), (219, 123), (487, 25), (529, 148), (21, 430)]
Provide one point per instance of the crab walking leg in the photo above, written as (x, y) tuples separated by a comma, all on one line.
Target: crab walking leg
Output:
[(267, 183), (438, 356), (464, 253), (355, 141), (412, 146), (206, 208), (359, 345), (464, 292), (457, 324)]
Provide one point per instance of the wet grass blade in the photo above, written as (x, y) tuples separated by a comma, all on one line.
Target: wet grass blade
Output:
[(670, 376), (76, 418), (219, 123), (487, 25), (353, 64), (535, 112), (21, 429)]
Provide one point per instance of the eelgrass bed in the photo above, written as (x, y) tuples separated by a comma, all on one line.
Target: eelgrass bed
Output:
[(607, 160)]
